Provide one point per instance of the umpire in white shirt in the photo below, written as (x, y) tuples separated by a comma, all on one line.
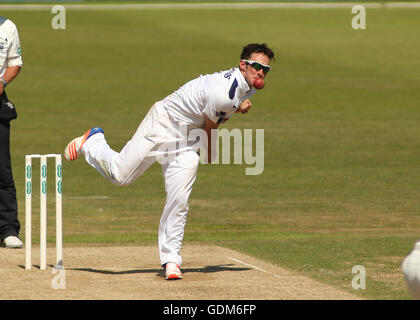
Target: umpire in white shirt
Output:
[(10, 65)]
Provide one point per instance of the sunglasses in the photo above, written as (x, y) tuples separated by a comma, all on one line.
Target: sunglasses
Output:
[(257, 66)]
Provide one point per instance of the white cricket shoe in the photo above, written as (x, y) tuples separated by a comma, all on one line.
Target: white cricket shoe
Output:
[(72, 151), (411, 270), (12, 242), (172, 271)]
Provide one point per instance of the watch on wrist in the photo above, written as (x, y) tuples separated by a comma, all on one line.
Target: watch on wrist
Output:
[(3, 82)]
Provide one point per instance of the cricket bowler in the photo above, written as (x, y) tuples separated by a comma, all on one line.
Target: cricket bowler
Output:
[(203, 103)]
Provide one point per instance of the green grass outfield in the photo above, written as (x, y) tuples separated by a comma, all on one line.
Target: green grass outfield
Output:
[(340, 110)]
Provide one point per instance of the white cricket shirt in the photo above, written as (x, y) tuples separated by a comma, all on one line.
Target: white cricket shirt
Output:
[(216, 95), (9, 45)]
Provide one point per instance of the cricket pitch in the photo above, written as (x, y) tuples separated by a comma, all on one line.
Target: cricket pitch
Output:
[(133, 273)]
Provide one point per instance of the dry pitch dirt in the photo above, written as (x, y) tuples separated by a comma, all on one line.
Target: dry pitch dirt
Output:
[(210, 272)]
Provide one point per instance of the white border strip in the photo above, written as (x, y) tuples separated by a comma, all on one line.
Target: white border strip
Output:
[(283, 5), (402, 5), (254, 267)]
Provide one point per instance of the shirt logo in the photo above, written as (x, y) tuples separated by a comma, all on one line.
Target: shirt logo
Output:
[(228, 74)]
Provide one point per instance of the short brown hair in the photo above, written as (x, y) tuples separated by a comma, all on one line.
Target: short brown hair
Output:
[(256, 48)]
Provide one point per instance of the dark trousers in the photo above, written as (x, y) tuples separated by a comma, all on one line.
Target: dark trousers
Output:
[(9, 224)]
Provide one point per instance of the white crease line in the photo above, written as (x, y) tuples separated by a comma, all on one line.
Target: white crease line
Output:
[(254, 267), (89, 198)]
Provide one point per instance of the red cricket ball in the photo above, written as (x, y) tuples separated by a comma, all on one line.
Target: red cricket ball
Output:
[(259, 83)]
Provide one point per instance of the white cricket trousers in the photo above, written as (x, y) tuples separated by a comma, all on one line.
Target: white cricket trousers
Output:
[(179, 169)]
